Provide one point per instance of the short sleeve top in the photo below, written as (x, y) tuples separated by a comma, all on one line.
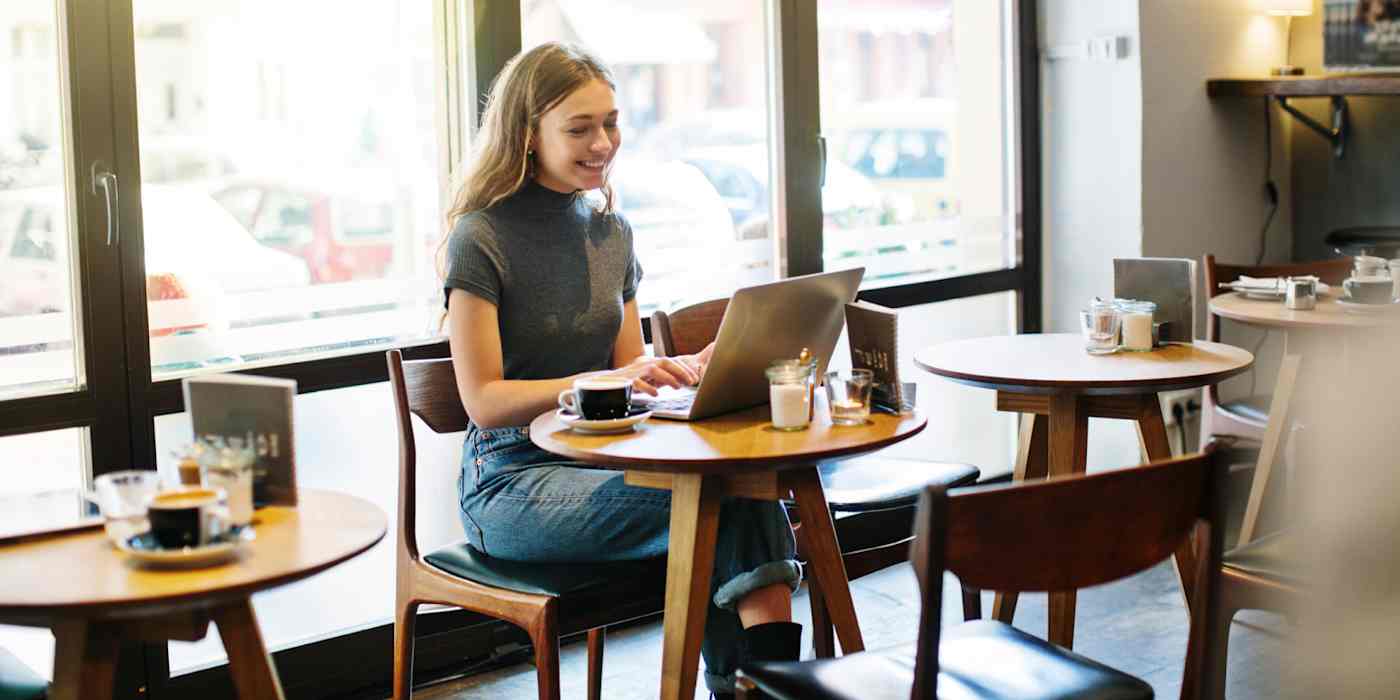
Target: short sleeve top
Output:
[(557, 269)]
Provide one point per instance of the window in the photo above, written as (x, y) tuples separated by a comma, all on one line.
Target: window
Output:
[(334, 132), (900, 100)]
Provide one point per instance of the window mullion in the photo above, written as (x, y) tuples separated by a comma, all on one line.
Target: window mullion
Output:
[(796, 161)]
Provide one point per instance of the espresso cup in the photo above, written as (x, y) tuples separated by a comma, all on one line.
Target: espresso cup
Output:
[(600, 398), (188, 517), (1369, 290)]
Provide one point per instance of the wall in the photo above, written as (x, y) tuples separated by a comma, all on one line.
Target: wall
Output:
[(1358, 190), (1092, 166)]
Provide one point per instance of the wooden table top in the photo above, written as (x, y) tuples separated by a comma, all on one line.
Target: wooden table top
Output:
[(743, 441), (1327, 314), (84, 575), (1047, 363)]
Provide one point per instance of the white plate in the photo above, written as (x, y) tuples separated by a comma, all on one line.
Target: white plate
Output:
[(1360, 308), (144, 549), (601, 427)]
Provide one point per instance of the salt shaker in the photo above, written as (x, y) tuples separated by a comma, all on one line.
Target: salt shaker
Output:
[(1300, 293)]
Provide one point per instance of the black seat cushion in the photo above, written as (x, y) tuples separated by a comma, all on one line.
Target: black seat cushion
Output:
[(875, 483), (977, 660), (1269, 557), (1254, 408), (17, 681), (558, 580)]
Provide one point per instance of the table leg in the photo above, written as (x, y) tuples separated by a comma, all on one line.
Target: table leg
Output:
[(1032, 451), (695, 502), (1152, 433), (1069, 449), (824, 556), (248, 660), (1279, 409), (85, 660)]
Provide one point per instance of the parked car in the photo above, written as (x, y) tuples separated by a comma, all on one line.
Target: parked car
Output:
[(904, 147), (196, 255), (682, 233), (342, 233)]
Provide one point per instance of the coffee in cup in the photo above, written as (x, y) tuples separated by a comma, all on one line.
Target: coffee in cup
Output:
[(1369, 290), (188, 517), (598, 398)]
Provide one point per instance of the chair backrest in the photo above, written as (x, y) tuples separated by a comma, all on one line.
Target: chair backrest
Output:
[(1074, 532), (427, 389), (686, 330)]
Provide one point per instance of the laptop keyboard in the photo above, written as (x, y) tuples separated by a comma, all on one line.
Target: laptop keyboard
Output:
[(677, 404)]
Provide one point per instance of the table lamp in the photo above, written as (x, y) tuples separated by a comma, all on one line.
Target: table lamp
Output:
[(1287, 9)]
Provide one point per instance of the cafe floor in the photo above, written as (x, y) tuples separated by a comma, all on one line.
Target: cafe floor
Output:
[(1137, 625)]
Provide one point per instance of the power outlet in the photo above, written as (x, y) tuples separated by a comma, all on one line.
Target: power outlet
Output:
[(1189, 401)]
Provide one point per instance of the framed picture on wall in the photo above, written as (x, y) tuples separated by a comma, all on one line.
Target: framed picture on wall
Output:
[(1361, 35)]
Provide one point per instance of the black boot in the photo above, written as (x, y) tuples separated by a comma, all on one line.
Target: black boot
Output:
[(770, 641)]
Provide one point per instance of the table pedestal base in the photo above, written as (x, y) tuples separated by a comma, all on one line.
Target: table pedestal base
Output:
[(1053, 442)]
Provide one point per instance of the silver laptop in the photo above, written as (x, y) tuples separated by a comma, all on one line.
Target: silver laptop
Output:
[(761, 324)]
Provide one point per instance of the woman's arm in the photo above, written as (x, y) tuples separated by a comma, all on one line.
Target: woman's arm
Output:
[(629, 348), (493, 401)]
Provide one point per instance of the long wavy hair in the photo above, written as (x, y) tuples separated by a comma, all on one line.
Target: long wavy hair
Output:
[(530, 85)]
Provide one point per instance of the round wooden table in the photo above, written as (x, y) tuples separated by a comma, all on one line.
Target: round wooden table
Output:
[(93, 596), (1058, 386), (1327, 336), (737, 454)]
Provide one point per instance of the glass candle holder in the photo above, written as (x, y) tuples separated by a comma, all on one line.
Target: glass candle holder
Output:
[(1137, 325), (1100, 324), (790, 394), (848, 396)]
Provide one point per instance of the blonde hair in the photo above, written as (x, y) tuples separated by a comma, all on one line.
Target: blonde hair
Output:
[(530, 85)]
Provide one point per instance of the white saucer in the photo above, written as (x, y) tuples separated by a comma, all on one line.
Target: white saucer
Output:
[(1359, 307), (143, 548), (601, 427)]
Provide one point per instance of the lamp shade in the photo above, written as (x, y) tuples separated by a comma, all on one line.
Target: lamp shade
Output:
[(1285, 8)]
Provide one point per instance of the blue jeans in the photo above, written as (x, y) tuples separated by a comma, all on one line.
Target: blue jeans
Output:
[(521, 503)]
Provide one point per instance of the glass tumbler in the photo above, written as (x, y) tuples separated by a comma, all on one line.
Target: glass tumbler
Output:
[(848, 396), (1100, 323), (123, 498), (230, 467), (790, 394)]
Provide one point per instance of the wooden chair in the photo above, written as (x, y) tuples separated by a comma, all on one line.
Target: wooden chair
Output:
[(1124, 522), (870, 497), (546, 600), (18, 681)]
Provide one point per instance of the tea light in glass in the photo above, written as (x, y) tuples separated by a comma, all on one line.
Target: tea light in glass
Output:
[(1100, 324)]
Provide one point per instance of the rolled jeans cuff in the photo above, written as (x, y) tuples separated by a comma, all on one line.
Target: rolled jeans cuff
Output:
[(787, 571)]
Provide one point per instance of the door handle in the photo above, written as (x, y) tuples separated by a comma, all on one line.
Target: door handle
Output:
[(107, 180), (821, 152)]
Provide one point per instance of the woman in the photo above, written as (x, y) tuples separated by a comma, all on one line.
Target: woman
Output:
[(541, 290)]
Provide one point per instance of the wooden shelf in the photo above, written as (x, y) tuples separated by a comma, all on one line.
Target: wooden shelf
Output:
[(1304, 86)]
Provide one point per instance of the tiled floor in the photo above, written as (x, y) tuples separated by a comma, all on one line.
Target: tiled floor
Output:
[(1137, 625)]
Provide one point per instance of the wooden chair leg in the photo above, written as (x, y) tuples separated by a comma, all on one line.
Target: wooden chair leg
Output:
[(544, 634), (596, 638), (1215, 678), (823, 635), (405, 620), (972, 604)]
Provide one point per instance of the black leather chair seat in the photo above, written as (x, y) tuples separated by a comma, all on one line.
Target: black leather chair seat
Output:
[(558, 580), (1254, 408), (977, 661), (876, 483), (17, 681), (1268, 557)]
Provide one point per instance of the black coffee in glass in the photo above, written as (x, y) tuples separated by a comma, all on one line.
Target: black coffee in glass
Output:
[(599, 399)]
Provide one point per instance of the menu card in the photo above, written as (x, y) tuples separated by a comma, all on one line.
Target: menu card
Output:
[(873, 333), (257, 410), (1168, 282)]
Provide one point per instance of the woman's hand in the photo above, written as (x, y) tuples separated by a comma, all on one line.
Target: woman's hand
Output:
[(699, 361), (650, 373)]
